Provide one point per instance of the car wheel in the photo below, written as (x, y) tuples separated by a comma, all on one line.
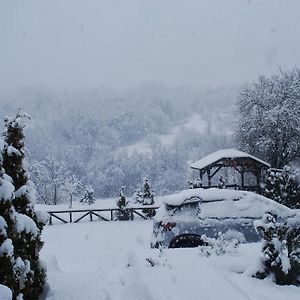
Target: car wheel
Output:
[(187, 241)]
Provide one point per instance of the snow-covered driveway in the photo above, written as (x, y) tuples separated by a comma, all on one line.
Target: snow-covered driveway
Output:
[(107, 260)]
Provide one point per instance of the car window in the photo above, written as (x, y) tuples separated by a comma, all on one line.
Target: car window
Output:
[(190, 208)]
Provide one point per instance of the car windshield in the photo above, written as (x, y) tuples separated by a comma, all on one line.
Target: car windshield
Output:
[(188, 208)]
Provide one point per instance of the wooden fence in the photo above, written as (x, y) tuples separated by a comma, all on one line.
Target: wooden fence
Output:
[(67, 216)]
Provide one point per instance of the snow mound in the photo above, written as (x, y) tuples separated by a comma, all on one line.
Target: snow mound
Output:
[(6, 190), (25, 224), (5, 293)]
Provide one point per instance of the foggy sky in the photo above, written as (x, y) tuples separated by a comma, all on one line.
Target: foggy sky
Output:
[(126, 42)]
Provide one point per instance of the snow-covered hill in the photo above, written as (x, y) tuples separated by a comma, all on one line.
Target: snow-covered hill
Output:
[(195, 123)]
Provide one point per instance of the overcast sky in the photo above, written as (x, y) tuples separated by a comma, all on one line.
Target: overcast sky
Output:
[(126, 42)]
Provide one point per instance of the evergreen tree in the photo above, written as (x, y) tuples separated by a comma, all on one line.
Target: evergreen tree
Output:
[(123, 213), (27, 243), (88, 195), (138, 196), (7, 272), (148, 195), (280, 252), (148, 199)]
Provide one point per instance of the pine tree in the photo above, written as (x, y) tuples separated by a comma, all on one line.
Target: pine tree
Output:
[(123, 213), (27, 243), (148, 195), (138, 196), (7, 272), (148, 199)]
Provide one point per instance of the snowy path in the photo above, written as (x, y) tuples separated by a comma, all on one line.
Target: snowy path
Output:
[(107, 261)]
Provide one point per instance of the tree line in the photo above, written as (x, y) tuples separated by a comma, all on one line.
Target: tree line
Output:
[(268, 127)]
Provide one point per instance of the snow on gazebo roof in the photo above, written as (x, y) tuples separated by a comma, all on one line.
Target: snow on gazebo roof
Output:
[(224, 154)]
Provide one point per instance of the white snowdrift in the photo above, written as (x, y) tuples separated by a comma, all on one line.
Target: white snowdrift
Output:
[(107, 260)]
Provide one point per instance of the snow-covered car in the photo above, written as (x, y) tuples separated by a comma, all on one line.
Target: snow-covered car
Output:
[(186, 216)]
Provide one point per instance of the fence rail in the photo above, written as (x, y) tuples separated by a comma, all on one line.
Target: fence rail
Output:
[(67, 216)]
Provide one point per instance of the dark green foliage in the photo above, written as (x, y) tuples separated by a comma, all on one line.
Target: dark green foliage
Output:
[(27, 245), (282, 186), (12, 160), (281, 249), (7, 273)]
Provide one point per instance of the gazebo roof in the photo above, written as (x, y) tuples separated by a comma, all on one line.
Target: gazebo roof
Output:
[(226, 154)]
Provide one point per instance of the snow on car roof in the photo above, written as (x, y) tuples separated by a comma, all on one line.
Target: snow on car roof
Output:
[(222, 203), (224, 154), (204, 194)]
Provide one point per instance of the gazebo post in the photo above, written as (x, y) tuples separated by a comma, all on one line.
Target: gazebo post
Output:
[(242, 177), (209, 178), (258, 181)]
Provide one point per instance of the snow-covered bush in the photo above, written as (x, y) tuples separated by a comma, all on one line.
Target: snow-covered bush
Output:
[(280, 249), (283, 187), (29, 272), (194, 184), (223, 244), (88, 195)]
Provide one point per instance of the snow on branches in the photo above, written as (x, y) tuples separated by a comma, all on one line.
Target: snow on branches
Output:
[(269, 122), (283, 187), (20, 226), (280, 256)]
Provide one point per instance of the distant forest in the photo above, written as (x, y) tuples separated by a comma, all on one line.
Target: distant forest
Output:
[(82, 136)]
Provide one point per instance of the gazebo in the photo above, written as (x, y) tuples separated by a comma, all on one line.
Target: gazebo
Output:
[(235, 169)]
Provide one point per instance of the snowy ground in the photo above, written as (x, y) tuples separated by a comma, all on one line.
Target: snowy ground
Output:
[(107, 260)]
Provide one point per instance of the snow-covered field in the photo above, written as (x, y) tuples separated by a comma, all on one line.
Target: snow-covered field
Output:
[(107, 260)]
